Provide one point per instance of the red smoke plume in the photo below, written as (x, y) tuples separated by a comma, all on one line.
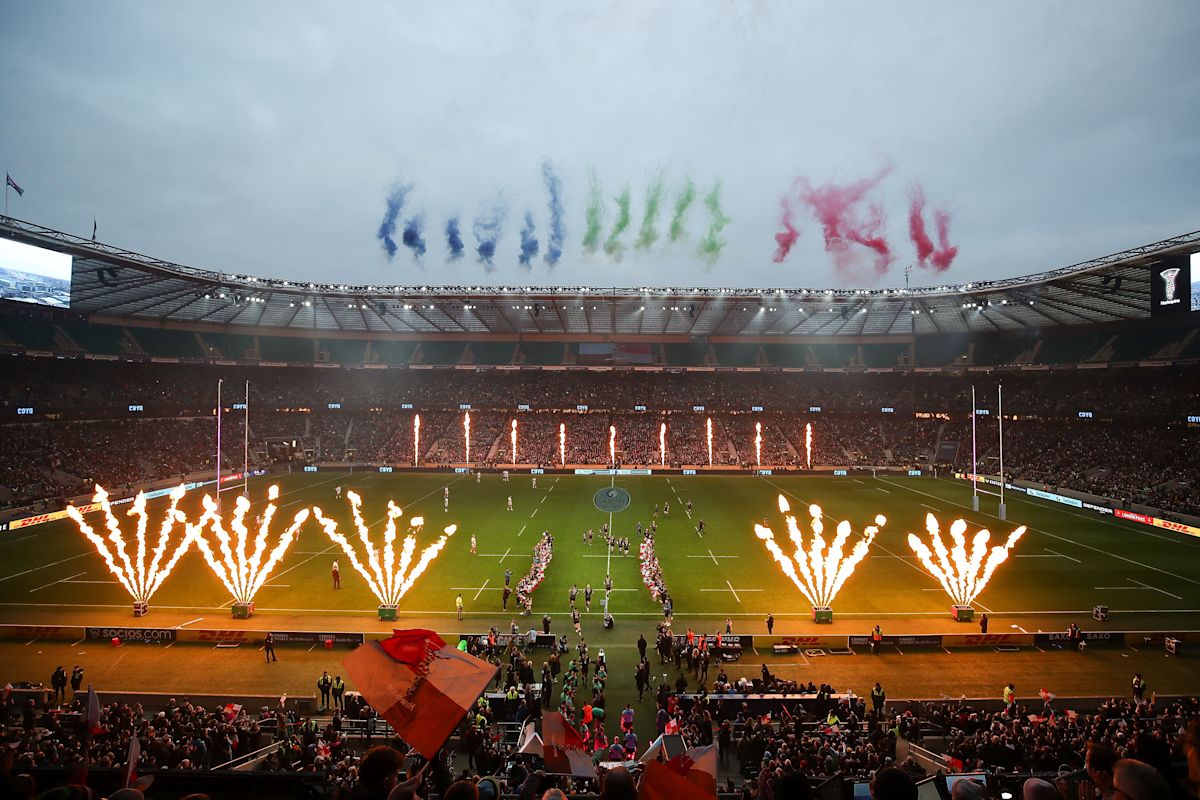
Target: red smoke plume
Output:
[(835, 207), (938, 258), (788, 236)]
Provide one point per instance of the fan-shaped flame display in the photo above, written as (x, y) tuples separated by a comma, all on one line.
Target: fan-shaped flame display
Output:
[(140, 579), (662, 444), (388, 580), (562, 443), (416, 438), (612, 444), (513, 438), (758, 443), (708, 427), (818, 572), (467, 434), (962, 575), (808, 443), (241, 564)]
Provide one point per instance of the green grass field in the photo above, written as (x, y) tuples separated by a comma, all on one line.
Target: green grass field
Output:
[(1066, 563), (50, 575)]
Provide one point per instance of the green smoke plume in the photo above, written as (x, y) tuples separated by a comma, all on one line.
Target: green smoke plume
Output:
[(595, 214), (712, 244), (647, 235), (613, 246), (686, 197)]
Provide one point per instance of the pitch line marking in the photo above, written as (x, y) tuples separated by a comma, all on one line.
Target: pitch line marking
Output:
[(1061, 555), (885, 491), (1060, 538), (43, 566), (189, 622), (52, 583), (481, 588), (1155, 588), (534, 514), (506, 552), (523, 527)]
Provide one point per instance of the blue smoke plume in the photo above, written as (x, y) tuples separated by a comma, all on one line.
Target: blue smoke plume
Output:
[(529, 243), (558, 231), (487, 227), (412, 237), (454, 240), (387, 229)]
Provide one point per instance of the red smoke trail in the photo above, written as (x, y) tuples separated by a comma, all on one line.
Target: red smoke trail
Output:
[(788, 236), (835, 207), (944, 256), (916, 224), (939, 257)]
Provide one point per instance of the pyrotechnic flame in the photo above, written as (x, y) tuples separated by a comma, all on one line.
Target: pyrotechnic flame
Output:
[(808, 443), (416, 438), (562, 443), (963, 576), (467, 433), (708, 426), (513, 437), (612, 444), (389, 581), (818, 573), (240, 564), (140, 579), (662, 443), (758, 443)]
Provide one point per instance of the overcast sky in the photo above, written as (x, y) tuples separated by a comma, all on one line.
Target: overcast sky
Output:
[(263, 138)]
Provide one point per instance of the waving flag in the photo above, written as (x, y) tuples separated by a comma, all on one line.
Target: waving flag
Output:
[(131, 763), (89, 722), (698, 766), (8, 181), (419, 684), (661, 782), (563, 749)]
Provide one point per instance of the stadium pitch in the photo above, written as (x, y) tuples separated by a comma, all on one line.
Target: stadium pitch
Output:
[(1068, 561)]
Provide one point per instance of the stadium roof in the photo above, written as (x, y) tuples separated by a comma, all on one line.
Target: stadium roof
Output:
[(116, 283)]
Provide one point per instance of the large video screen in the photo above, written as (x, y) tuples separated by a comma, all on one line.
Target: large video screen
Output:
[(1175, 285), (34, 274)]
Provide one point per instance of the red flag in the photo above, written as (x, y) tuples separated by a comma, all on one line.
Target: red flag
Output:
[(698, 765), (419, 684), (89, 722), (131, 764), (660, 782), (563, 748)]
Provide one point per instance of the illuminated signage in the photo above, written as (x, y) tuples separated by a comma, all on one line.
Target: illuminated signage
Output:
[(756, 408), (310, 468), (982, 412), (689, 472), (840, 472), (406, 406), (334, 406), (24, 411), (537, 471), (888, 410), (639, 408), (914, 473), (523, 407), (135, 408), (697, 408), (581, 408), (1085, 415), (239, 406), (385, 469), (1194, 418), (814, 409), (464, 406)]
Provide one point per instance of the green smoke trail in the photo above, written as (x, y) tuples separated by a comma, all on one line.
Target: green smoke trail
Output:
[(686, 196), (595, 213), (654, 195), (613, 245), (711, 245)]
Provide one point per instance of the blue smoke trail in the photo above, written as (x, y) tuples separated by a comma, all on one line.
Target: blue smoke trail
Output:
[(529, 244), (412, 237), (454, 239), (487, 227), (387, 229), (558, 230)]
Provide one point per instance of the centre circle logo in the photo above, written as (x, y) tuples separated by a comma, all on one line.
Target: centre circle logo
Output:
[(611, 500)]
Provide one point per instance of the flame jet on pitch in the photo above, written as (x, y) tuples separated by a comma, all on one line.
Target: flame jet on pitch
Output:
[(963, 576)]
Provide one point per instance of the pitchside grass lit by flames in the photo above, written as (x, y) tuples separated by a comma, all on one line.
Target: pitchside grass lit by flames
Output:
[(388, 580), (963, 577), (818, 573)]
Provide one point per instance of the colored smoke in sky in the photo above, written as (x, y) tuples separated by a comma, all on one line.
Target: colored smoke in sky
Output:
[(487, 227), (412, 237), (394, 204), (835, 206), (647, 235), (938, 257), (529, 243), (916, 224), (613, 245), (595, 214), (687, 195), (558, 229), (944, 256), (454, 242), (786, 238), (711, 245)]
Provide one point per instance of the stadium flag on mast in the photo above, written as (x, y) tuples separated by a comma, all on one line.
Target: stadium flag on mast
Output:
[(563, 749), (8, 181), (419, 684)]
